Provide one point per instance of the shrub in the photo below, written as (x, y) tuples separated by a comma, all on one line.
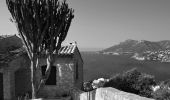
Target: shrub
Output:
[(133, 81), (87, 86), (162, 94)]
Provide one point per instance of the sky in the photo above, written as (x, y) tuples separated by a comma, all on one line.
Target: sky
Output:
[(104, 23)]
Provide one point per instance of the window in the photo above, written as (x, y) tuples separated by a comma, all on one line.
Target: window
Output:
[(52, 77)]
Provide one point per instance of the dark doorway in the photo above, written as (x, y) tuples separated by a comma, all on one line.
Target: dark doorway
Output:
[(52, 77), (1, 87)]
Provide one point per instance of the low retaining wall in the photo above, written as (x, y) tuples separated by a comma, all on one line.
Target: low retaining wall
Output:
[(63, 98), (109, 94), (114, 94)]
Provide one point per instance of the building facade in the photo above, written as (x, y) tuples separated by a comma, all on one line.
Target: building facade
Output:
[(66, 73)]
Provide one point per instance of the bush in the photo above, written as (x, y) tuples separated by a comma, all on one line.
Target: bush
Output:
[(87, 86), (133, 81), (162, 94)]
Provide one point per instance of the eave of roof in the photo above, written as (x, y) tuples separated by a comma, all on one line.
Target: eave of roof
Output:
[(7, 57), (64, 51)]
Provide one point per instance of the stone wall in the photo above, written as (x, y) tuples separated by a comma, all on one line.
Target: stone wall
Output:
[(65, 76), (64, 82), (16, 77), (79, 81), (8, 85), (12, 86), (22, 82), (108, 94), (50, 92), (114, 94), (64, 79), (1, 86), (75, 93)]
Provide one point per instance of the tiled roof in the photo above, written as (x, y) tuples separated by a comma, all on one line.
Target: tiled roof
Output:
[(8, 43), (63, 51), (20, 50), (7, 57), (67, 50)]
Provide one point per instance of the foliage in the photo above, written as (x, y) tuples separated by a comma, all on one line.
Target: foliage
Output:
[(42, 26), (162, 94), (133, 81), (87, 86), (41, 23)]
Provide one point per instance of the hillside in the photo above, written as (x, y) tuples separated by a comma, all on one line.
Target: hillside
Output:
[(136, 46), (142, 50)]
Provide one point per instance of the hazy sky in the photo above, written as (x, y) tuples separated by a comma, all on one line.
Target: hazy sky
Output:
[(103, 23)]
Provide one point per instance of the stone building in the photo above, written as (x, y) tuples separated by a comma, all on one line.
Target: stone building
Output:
[(66, 73)]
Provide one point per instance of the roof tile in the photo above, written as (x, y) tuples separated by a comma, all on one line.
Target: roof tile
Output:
[(67, 50), (63, 51)]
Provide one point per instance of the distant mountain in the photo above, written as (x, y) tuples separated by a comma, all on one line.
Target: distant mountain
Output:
[(139, 46), (165, 44), (8, 43)]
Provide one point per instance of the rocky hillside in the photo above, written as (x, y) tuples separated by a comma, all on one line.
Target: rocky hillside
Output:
[(142, 50), (139, 46)]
